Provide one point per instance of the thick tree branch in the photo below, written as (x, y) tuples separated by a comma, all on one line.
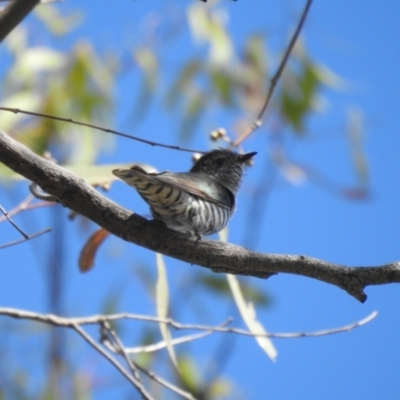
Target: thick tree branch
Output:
[(13, 14), (80, 197)]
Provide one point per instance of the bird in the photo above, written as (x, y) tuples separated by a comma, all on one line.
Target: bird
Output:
[(199, 202)]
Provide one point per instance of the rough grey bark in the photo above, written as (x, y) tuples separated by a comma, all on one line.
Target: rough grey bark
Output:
[(77, 195)]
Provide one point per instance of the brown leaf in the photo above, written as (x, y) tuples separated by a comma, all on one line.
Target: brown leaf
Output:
[(86, 258)]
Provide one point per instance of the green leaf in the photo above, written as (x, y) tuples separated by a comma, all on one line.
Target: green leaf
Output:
[(110, 306), (101, 174), (255, 54), (23, 99), (222, 83), (300, 86), (298, 96), (248, 314), (96, 175), (148, 336), (148, 63), (57, 23), (39, 60), (162, 302), (183, 83), (355, 132), (194, 109), (189, 376), (208, 26), (218, 285), (220, 388)]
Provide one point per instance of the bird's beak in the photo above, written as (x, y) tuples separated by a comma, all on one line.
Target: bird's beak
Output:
[(246, 157)]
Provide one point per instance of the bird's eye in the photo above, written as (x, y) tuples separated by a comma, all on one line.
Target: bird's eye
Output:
[(219, 162)]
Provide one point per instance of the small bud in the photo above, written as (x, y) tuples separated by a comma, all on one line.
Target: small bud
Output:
[(219, 133), (214, 136), (47, 155), (196, 157)]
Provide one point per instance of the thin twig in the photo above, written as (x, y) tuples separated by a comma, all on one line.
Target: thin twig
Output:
[(95, 319), (239, 140), (25, 235), (116, 345), (125, 135), (35, 235), (120, 368), (180, 340), (162, 345), (166, 384), (6, 216), (258, 123), (345, 328), (19, 208), (26, 206)]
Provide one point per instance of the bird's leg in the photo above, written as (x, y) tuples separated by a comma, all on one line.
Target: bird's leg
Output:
[(198, 236)]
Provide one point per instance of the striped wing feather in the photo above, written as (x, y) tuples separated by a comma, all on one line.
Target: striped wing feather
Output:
[(197, 184)]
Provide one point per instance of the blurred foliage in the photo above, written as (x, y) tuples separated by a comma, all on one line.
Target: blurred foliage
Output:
[(302, 82), (355, 132), (219, 286), (231, 82), (57, 23), (147, 61), (79, 83), (162, 306), (190, 378), (17, 383), (298, 94), (239, 82)]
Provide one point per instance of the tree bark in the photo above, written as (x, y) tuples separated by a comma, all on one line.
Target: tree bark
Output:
[(13, 14), (75, 194)]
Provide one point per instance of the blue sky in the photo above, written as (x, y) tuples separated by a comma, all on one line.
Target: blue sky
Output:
[(358, 41)]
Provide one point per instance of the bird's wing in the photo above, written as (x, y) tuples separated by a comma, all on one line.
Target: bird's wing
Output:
[(195, 183)]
